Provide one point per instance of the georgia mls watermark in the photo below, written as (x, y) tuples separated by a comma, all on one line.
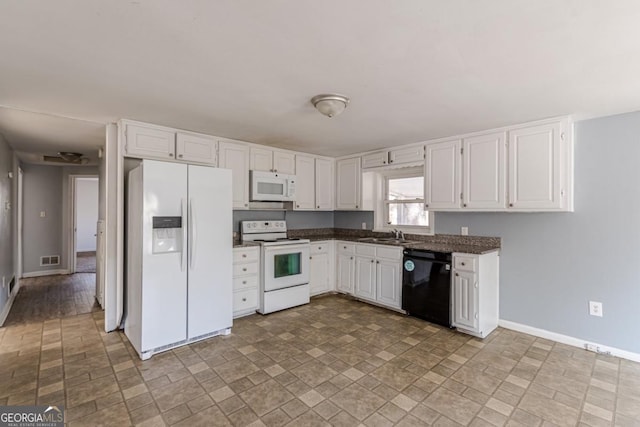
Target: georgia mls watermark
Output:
[(31, 416)]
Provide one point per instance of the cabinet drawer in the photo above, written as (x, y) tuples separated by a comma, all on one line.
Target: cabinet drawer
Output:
[(245, 269), (245, 254), (366, 250), (244, 282), (346, 248), (319, 247), (388, 253), (465, 263), (245, 300)]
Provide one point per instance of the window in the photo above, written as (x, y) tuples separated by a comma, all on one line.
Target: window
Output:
[(403, 201)]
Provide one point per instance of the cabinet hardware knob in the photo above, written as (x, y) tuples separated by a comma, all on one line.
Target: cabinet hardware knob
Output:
[(180, 155), (244, 299), (426, 205), (345, 247), (510, 205), (246, 204), (244, 255), (244, 282), (244, 269), (384, 163), (297, 206), (464, 205), (457, 275), (377, 262), (310, 257), (170, 154), (356, 206), (318, 207), (371, 261), (351, 258), (390, 161), (319, 248), (462, 263)]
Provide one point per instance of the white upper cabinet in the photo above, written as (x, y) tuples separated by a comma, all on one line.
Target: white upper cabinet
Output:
[(149, 142), (397, 156), (375, 160), (325, 184), (156, 142), (195, 148), (305, 183), (483, 172), (540, 168), (263, 159), (442, 175), (348, 184), (235, 156), (406, 155)]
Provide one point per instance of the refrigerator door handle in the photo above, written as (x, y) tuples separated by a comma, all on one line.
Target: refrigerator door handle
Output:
[(192, 237), (183, 258)]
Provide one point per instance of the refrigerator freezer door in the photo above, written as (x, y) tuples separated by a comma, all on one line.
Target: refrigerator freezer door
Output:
[(164, 290), (210, 295)]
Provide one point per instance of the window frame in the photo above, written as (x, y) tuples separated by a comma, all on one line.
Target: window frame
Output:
[(382, 208)]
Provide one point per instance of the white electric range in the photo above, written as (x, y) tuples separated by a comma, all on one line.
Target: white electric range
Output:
[(284, 281)]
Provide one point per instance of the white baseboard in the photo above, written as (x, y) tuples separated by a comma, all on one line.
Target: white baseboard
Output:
[(45, 273), (565, 339), (7, 306)]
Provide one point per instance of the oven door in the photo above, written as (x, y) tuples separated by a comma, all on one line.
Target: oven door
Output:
[(285, 266)]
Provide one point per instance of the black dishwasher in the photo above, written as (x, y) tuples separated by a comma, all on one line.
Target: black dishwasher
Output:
[(426, 285)]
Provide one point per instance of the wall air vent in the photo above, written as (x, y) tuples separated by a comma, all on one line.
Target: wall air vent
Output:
[(49, 260)]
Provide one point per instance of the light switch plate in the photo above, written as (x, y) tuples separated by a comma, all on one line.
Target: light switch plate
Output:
[(464, 231)]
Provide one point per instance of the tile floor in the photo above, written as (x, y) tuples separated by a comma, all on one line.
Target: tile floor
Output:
[(333, 362), (53, 297)]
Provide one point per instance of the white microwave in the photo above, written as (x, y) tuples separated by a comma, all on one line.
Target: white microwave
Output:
[(272, 187)]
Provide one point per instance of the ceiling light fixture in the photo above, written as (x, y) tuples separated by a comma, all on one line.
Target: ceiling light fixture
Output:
[(330, 104)]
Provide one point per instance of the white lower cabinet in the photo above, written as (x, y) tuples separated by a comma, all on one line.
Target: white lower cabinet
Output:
[(346, 267), (246, 271), (475, 293), (378, 274), (320, 267)]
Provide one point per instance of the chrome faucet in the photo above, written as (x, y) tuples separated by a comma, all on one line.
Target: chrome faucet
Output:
[(401, 234), (397, 234)]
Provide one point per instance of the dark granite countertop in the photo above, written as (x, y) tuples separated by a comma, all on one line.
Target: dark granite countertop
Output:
[(239, 244), (438, 243)]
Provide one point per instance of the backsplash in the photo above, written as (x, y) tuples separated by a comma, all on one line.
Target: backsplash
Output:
[(307, 219)]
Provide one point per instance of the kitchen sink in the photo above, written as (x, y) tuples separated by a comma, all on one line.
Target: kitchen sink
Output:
[(386, 240)]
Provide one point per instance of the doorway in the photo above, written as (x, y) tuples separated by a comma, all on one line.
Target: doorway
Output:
[(85, 220)]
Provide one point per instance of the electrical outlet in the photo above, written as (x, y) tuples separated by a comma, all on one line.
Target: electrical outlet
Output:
[(464, 231), (364, 225), (43, 214), (595, 308)]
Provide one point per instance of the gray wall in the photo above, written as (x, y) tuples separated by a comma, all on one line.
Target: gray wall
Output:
[(6, 219), (552, 264), (297, 220), (42, 191)]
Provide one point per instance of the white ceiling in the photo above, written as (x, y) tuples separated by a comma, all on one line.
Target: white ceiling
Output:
[(414, 69)]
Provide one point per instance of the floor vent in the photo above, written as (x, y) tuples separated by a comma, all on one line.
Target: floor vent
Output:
[(50, 260), (12, 284)]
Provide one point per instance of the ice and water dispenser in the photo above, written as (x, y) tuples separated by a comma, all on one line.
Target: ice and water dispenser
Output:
[(167, 234)]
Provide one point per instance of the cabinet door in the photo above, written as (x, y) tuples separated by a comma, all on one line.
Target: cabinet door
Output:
[(534, 167), (194, 148), (319, 273), (442, 175), (150, 143), (348, 183), (346, 273), (325, 184), (305, 183), (365, 278), (465, 297), (236, 157), (388, 283), (261, 160), (374, 160), (406, 155), (284, 162), (483, 171)]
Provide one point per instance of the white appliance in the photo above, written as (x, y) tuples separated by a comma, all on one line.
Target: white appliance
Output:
[(285, 265), (272, 187), (180, 255)]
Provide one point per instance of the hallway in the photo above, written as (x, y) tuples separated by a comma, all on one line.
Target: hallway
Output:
[(52, 297)]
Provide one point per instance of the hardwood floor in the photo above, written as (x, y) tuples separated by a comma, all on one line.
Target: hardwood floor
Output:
[(86, 262), (53, 297)]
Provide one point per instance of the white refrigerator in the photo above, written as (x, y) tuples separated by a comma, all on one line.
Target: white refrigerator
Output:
[(179, 286)]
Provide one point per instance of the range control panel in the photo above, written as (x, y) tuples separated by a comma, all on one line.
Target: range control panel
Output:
[(249, 227)]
